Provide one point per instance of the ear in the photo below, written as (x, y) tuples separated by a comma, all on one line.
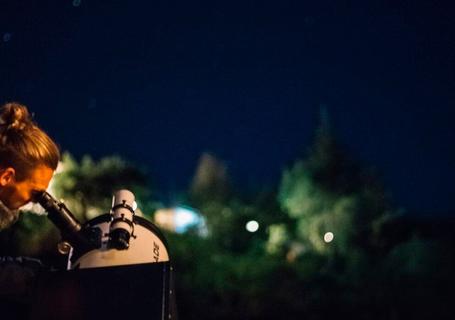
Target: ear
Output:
[(6, 176)]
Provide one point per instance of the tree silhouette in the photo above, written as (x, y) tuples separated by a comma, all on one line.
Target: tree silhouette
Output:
[(330, 192), (87, 186)]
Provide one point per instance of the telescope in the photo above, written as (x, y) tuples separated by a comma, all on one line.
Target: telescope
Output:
[(114, 262)]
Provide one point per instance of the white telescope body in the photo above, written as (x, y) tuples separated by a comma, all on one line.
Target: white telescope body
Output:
[(126, 239), (143, 276)]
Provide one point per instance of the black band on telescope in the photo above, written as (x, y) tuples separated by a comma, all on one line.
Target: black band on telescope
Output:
[(123, 205), (123, 219)]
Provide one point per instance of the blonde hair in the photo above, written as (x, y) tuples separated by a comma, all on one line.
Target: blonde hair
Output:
[(23, 145)]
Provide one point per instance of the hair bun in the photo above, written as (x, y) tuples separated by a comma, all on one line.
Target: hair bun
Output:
[(14, 116)]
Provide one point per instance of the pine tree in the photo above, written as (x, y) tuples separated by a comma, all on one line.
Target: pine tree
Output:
[(329, 195)]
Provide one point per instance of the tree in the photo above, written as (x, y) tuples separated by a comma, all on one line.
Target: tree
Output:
[(87, 187), (329, 192), (226, 212), (210, 182)]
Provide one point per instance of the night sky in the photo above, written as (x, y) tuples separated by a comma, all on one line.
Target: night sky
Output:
[(160, 82)]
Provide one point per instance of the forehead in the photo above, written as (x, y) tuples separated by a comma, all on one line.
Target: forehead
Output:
[(40, 176)]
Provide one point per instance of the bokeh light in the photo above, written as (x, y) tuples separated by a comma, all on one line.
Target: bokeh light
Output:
[(185, 218), (328, 237), (252, 226)]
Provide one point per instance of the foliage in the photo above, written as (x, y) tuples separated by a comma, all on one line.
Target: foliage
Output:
[(329, 192), (87, 186), (235, 275), (227, 211), (33, 235), (371, 270)]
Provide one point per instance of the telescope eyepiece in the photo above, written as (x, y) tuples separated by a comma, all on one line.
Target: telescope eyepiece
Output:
[(122, 225), (58, 213)]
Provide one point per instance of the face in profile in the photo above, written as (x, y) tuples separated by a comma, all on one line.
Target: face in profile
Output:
[(14, 194)]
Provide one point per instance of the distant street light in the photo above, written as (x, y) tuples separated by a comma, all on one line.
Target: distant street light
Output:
[(252, 226), (328, 237)]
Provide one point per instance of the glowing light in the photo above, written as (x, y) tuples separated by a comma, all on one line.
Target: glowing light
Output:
[(165, 219), (180, 219), (76, 3), (252, 226), (328, 237), (185, 218)]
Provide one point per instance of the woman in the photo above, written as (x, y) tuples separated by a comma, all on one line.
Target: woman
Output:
[(28, 159)]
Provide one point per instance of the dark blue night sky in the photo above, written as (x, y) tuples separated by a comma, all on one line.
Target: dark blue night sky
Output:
[(160, 82)]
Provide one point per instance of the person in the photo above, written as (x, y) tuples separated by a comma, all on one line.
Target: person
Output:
[(28, 159)]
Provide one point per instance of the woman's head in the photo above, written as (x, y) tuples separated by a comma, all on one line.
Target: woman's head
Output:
[(28, 156)]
